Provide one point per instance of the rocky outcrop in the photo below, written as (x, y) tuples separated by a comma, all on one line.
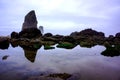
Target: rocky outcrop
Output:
[(29, 28), (30, 20), (88, 35), (87, 32)]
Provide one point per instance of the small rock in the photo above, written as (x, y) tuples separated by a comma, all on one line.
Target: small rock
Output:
[(5, 57)]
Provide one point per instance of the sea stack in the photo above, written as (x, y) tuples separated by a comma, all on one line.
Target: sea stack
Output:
[(30, 21), (29, 28)]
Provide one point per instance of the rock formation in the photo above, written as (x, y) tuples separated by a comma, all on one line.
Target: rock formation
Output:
[(30, 20), (29, 28)]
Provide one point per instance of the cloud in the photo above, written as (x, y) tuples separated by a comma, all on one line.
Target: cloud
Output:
[(56, 13)]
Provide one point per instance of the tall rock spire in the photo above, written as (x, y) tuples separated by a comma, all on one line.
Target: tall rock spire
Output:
[(29, 27), (30, 21)]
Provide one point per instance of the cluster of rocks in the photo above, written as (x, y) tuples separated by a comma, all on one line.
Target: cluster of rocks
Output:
[(32, 37)]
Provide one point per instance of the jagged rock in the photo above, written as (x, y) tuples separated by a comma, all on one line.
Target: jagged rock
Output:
[(29, 28), (30, 20), (14, 35)]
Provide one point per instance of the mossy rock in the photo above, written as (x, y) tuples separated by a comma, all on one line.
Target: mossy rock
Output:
[(111, 51), (48, 43), (36, 46), (87, 44), (47, 47), (66, 45)]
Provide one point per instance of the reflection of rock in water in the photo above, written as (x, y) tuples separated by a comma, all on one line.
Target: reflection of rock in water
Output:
[(30, 53)]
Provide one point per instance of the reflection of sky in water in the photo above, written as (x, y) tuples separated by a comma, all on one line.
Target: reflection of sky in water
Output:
[(86, 61)]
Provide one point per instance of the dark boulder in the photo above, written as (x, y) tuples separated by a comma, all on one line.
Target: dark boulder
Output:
[(4, 43), (14, 35)]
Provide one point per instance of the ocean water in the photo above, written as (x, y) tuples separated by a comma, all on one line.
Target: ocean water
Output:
[(83, 63)]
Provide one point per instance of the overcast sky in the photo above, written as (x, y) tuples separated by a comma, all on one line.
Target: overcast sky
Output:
[(63, 16)]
